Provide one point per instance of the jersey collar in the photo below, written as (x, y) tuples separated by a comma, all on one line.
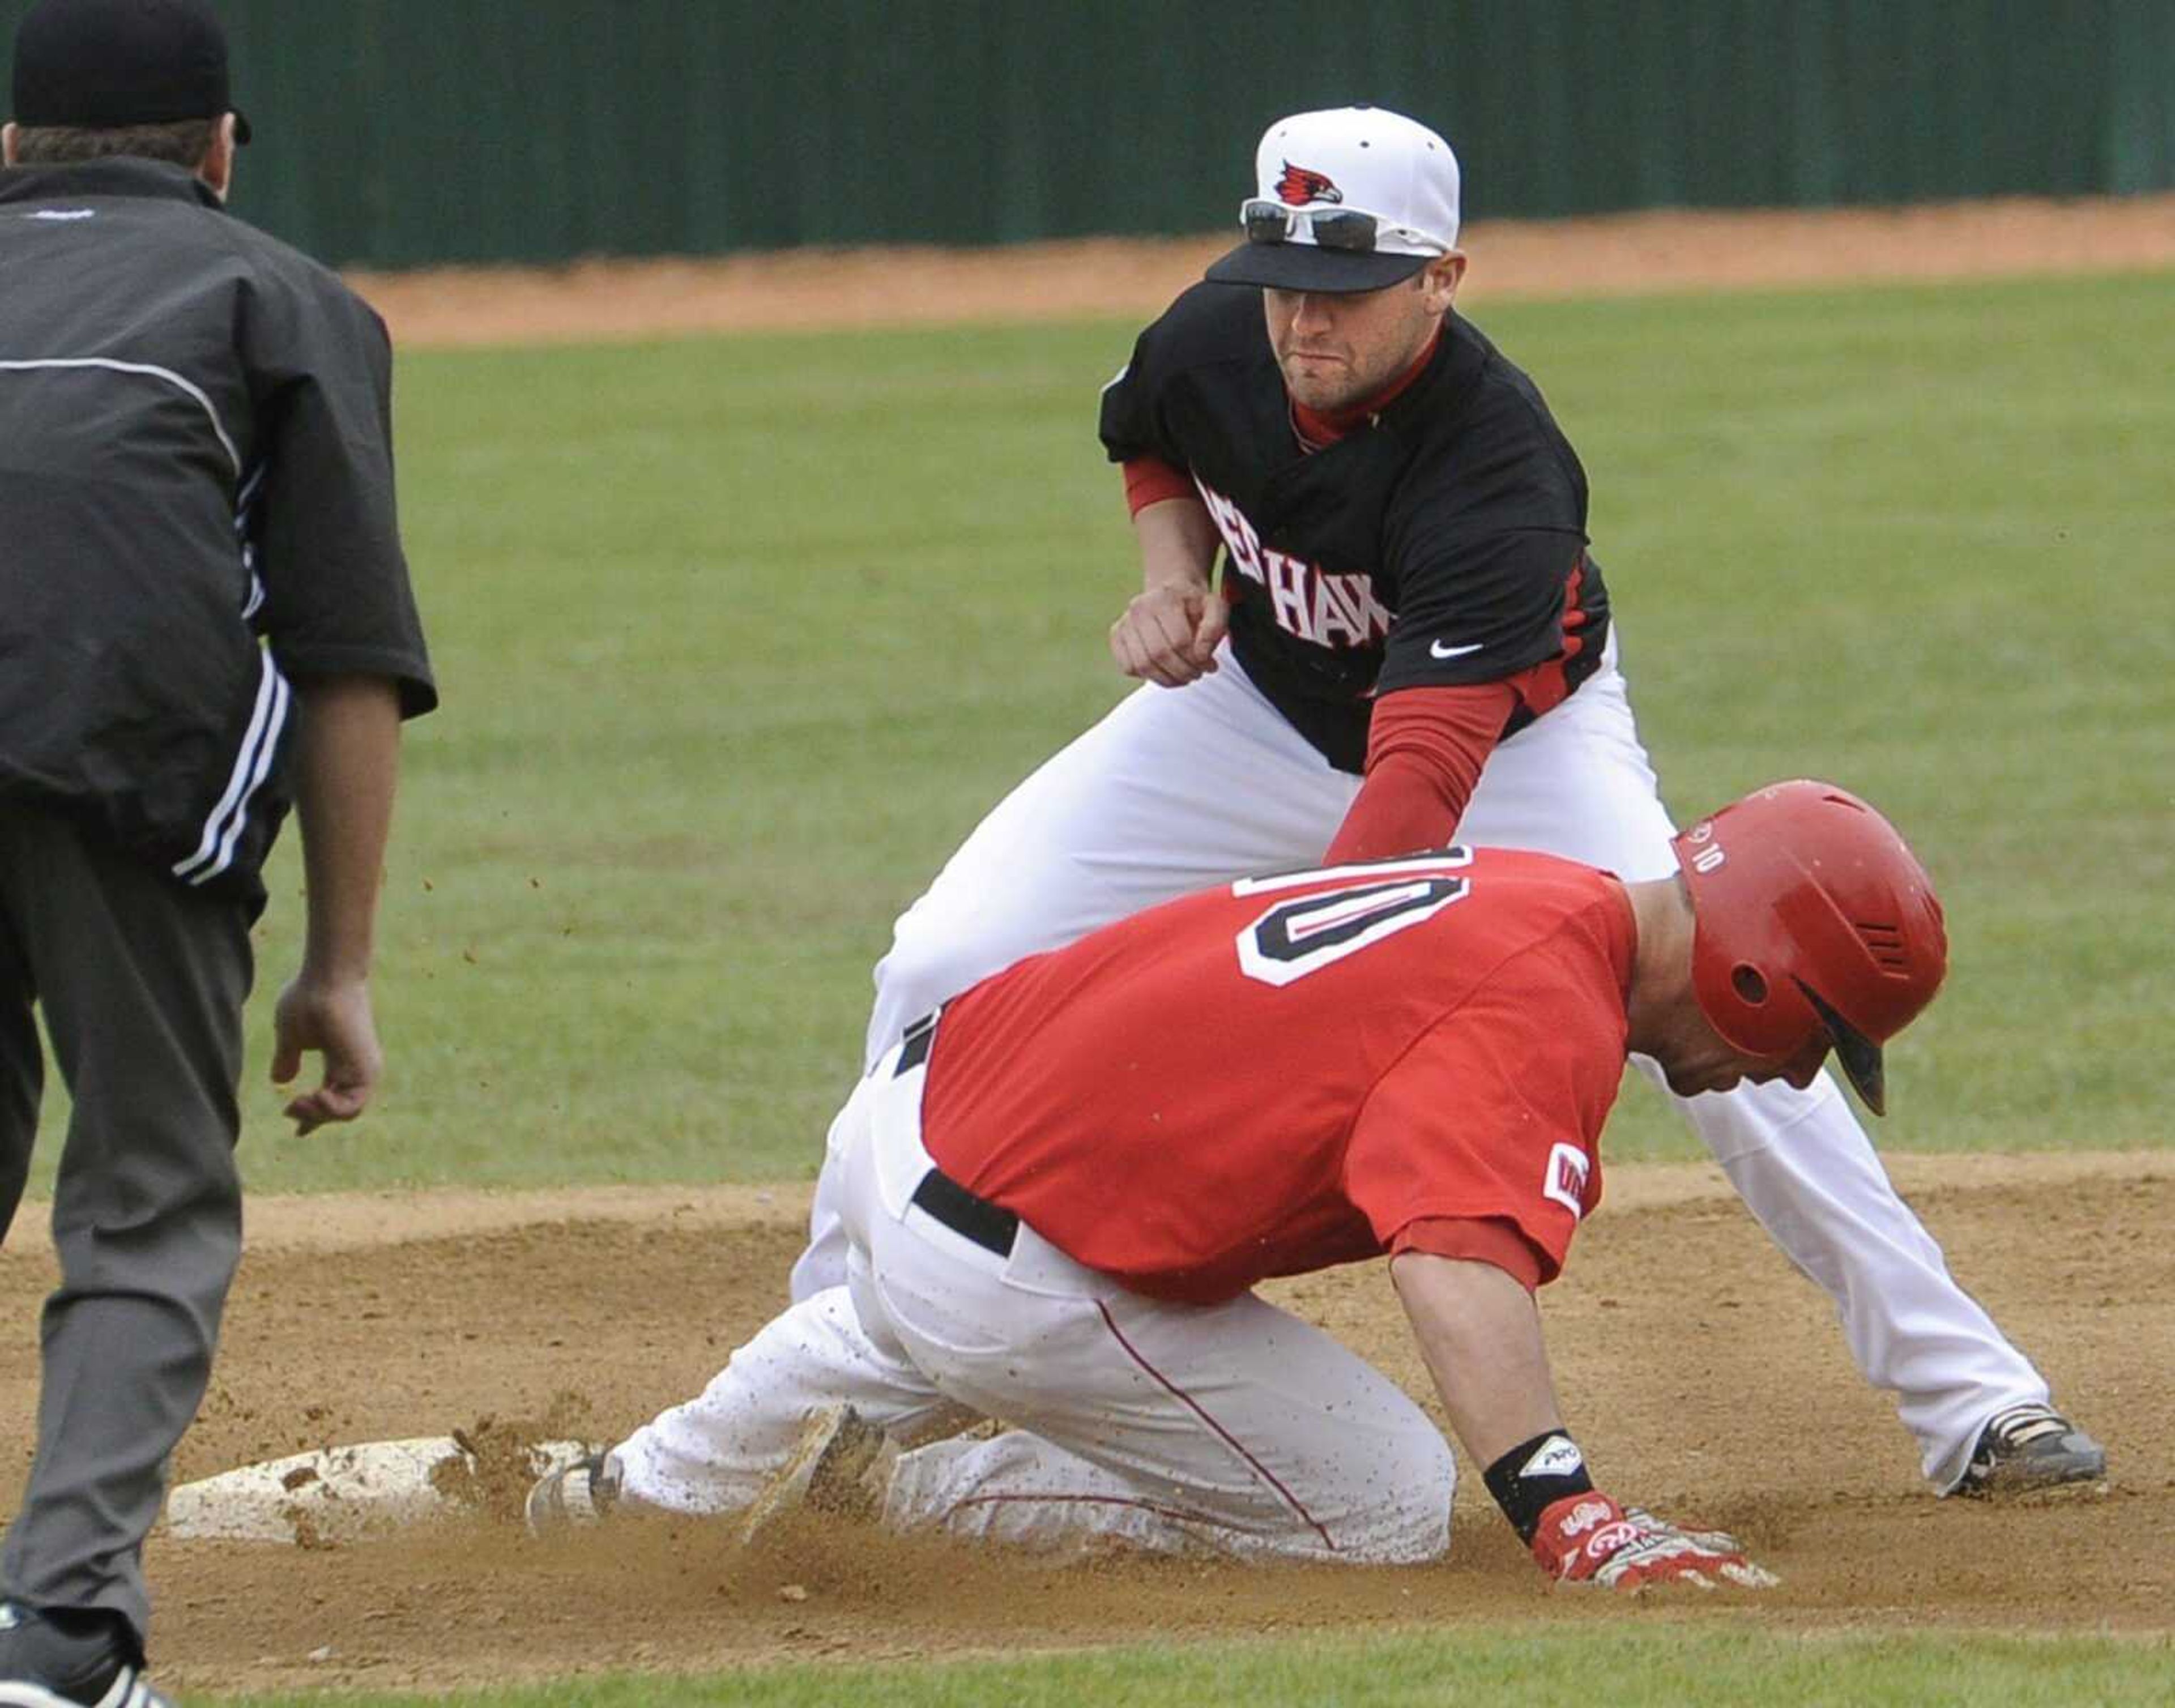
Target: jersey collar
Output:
[(1316, 430), (121, 175)]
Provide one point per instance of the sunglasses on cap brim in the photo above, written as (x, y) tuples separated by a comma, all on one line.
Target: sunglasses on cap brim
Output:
[(1351, 230)]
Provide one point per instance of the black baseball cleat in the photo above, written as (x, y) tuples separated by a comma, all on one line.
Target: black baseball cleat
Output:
[(2030, 1447), (68, 1657)]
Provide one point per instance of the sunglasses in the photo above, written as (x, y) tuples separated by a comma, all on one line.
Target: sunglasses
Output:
[(1352, 229)]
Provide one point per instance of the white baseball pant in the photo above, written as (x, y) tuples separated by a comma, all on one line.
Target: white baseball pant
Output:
[(1178, 788), (1234, 1428)]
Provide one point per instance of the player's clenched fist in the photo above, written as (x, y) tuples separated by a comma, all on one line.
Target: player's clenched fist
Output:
[(1588, 1538), (1168, 635)]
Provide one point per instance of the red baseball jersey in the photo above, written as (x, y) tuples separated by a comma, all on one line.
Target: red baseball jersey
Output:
[(1294, 1071)]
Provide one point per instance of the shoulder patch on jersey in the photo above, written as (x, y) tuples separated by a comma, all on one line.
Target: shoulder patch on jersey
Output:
[(1565, 1178)]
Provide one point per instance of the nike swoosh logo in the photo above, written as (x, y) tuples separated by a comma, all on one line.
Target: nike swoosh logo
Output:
[(1439, 650)]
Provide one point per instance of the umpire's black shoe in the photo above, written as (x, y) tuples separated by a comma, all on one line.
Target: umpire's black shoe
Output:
[(2028, 1447), (67, 1657)]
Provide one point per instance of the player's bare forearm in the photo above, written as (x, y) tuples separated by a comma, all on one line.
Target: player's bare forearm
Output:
[(1480, 1334), (1168, 633), (347, 764), (1178, 541)]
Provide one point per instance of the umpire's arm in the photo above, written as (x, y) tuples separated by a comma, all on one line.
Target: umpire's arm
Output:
[(339, 616), (347, 761)]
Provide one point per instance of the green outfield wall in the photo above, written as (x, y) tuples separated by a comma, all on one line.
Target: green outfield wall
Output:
[(406, 131)]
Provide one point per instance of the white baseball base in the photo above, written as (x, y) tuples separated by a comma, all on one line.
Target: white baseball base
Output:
[(337, 1494)]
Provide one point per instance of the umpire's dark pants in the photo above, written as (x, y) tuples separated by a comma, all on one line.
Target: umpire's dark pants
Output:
[(141, 981)]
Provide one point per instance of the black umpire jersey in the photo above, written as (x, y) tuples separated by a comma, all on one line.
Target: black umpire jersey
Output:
[(196, 509), (1443, 542)]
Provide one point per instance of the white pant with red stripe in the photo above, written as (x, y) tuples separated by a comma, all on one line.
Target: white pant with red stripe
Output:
[(1176, 789), (1234, 1428)]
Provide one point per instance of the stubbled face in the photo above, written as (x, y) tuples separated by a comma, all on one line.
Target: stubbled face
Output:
[(1338, 350), (1695, 1058)]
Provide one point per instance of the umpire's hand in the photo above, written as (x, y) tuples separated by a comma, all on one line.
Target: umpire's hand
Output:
[(334, 1018)]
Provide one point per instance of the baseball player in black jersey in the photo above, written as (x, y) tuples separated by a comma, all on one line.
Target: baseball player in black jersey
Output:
[(203, 610), (1412, 641)]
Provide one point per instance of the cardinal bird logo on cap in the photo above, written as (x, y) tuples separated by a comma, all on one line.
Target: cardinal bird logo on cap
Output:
[(1300, 185)]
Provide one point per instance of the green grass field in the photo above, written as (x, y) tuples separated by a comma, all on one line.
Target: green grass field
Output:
[(1670, 1667), (737, 637)]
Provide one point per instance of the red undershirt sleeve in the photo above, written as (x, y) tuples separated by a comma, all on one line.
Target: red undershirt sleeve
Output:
[(1475, 1239), (1151, 480), (1424, 750)]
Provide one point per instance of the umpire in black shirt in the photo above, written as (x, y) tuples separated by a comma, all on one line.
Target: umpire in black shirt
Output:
[(203, 611)]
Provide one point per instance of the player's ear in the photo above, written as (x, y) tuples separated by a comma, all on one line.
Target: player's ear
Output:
[(1439, 280)]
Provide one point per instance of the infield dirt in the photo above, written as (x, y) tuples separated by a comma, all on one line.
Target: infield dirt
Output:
[(1705, 1377)]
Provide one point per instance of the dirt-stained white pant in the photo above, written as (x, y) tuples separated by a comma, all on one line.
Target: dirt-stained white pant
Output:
[(1232, 1428), (1178, 788)]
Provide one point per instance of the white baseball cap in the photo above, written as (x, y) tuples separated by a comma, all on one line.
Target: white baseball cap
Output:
[(1350, 198)]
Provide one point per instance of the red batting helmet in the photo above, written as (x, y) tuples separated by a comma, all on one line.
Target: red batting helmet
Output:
[(1812, 919)]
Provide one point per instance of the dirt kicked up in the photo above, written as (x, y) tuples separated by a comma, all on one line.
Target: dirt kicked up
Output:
[(1703, 1376)]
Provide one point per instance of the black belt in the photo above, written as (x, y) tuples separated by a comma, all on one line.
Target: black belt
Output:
[(989, 1225)]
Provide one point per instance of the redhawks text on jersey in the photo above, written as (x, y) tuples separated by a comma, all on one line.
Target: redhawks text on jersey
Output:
[(1329, 611)]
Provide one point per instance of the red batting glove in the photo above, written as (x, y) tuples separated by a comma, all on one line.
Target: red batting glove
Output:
[(1588, 1538)]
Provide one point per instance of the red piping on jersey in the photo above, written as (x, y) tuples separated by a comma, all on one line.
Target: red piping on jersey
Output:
[(1316, 430), (1547, 686), (1224, 1434), (1176, 1514), (1574, 612)]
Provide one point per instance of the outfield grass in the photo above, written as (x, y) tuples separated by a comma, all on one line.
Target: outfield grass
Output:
[(1624, 1666), (739, 636)]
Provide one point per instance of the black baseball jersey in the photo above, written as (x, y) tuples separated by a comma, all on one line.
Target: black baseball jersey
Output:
[(196, 486), (1442, 543)]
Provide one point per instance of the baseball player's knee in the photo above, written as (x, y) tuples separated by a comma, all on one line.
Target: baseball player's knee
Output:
[(1402, 1516), (1419, 1535)]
